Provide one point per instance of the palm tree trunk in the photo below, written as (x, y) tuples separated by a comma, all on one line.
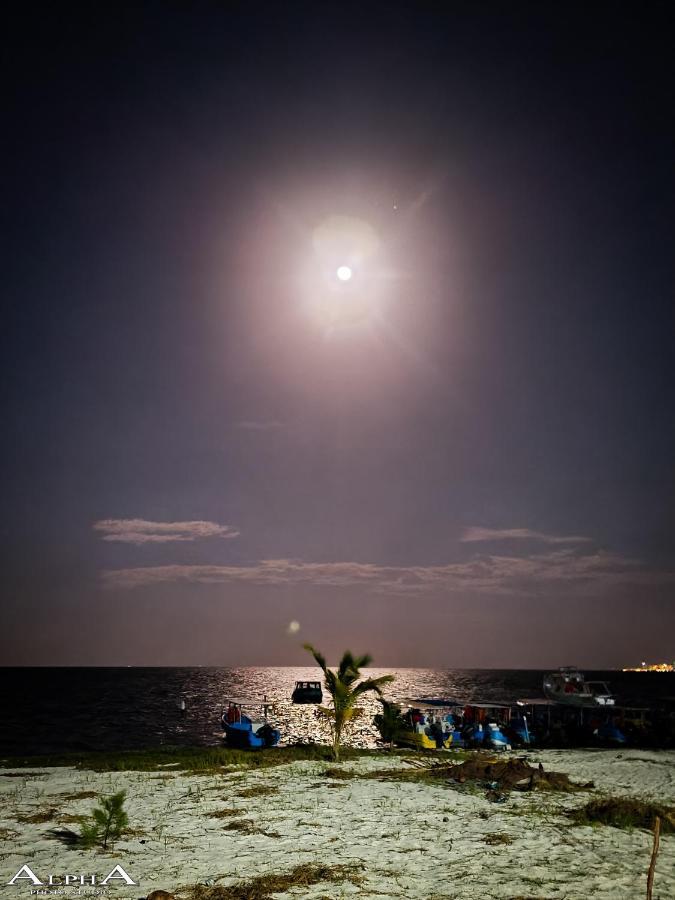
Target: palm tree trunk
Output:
[(337, 735)]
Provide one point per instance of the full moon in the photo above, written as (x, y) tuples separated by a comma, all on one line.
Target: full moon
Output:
[(344, 273)]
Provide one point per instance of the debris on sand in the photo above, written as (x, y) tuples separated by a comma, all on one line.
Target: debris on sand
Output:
[(509, 774), (625, 812), (262, 887)]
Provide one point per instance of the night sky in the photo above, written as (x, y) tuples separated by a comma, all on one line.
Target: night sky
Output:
[(463, 456)]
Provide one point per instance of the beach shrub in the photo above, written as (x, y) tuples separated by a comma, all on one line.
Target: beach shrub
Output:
[(345, 689), (390, 722), (109, 821)]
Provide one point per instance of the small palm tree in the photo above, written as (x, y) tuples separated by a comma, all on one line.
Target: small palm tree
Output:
[(344, 690), (390, 722)]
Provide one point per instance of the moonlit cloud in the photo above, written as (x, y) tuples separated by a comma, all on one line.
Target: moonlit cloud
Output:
[(259, 425), (497, 575), (141, 531), (474, 534)]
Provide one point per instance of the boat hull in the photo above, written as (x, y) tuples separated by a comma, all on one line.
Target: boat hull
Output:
[(569, 687), (242, 736), (580, 701), (307, 697), (422, 741)]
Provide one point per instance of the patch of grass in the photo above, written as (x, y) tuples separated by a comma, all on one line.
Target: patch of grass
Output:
[(196, 760), (624, 812), (259, 790), (6, 834), (498, 838), (225, 813), (264, 886), (339, 774), (22, 774), (245, 826), (39, 817), (79, 795), (323, 786)]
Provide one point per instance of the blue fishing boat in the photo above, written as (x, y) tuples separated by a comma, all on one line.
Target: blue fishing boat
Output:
[(484, 725), (246, 726)]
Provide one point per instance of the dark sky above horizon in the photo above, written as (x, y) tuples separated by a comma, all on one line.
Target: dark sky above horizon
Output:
[(464, 456)]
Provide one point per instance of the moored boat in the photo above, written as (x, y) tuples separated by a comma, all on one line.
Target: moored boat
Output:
[(569, 687), (431, 724), (307, 692), (246, 726), (485, 725)]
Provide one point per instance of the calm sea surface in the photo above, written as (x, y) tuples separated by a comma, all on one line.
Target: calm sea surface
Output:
[(57, 710)]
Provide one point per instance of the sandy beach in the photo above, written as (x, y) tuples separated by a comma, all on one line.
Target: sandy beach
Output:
[(404, 839)]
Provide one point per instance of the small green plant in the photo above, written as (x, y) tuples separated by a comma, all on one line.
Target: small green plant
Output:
[(109, 821)]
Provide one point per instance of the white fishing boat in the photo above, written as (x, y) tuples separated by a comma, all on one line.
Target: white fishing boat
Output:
[(568, 686)]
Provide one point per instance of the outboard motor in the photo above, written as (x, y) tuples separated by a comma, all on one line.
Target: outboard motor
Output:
[(521, 731), (608, 733), (457, 738), (495, 738), (474, 735)]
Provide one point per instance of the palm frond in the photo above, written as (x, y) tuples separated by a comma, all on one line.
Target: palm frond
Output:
[(372, 684), (346, 663), (362, 662), (319, 657)]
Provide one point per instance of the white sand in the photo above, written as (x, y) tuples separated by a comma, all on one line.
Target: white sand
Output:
[(395, 829)]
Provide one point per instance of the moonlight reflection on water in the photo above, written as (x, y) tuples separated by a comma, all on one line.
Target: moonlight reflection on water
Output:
[(64, 709)]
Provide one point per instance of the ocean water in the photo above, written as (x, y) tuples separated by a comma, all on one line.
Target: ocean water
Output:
[(65, 709)]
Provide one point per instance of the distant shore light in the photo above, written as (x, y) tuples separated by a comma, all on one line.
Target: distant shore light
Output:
[(344, 273)]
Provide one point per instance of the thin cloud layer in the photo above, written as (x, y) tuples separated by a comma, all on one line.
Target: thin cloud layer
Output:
[(475, 534), (259, 425), (141, 531), (496, 575)]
